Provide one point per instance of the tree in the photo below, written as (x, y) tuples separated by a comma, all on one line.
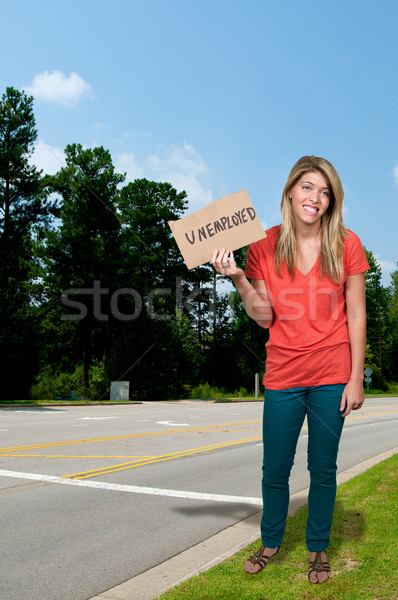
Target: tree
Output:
[(151, 268), (82, 256), (392, 347), (145, 208), (377, 306), (23, 212)]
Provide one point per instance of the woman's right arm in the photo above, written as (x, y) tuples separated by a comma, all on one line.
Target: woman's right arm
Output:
[(254, 294)]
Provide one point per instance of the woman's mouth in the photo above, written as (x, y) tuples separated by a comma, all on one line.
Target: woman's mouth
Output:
[(310, 210)]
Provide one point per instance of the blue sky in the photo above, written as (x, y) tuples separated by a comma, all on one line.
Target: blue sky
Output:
[(216, 96)]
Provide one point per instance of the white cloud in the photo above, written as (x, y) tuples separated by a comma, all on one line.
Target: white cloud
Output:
[(387, 267), (57, 87), (49, 159), (346, 213), (126, 163), (395, 173), (181, 166), (186, 160)]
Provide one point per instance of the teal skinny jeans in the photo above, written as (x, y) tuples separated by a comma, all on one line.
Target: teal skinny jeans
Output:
[(283, 417)]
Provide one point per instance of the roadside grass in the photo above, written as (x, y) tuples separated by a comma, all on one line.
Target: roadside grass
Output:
[(363, 553), (63, 403)]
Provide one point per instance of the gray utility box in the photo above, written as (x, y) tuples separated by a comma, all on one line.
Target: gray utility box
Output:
[(120, 390)]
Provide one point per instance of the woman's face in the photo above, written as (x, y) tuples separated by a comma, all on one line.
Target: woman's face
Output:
[(310, 198)]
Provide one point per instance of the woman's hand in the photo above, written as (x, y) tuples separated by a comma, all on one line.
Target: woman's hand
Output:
[(224, 263), (255, 297), (353, 397)]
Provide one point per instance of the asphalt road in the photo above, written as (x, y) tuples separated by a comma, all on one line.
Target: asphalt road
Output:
[(92, 496)]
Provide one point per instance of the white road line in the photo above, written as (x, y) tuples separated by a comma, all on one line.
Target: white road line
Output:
[(96, 418), (171, 424), (117, 487)]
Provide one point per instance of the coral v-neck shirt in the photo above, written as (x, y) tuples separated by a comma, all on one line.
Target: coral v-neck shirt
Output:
[(308, 339)]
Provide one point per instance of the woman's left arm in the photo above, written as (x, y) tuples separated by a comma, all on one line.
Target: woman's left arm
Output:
[(353, 395)]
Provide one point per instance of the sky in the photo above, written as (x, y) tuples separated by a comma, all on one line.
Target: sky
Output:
[(214, 96)]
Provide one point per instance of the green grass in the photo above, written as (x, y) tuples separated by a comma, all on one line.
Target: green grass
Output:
[(363, 552), (60, 402)]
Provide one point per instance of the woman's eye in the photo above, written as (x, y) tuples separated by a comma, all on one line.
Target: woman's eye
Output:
[(306, 187)]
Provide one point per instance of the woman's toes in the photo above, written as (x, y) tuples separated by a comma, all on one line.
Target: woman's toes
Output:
[(249, 567), (322, 577)]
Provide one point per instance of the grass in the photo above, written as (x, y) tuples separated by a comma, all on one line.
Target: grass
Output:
[(62, 403), (363, 552)]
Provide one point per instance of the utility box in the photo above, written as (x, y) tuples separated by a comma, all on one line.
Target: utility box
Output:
[(120, 390)]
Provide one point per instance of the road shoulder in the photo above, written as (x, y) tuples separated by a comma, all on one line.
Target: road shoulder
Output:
[(216, 549)]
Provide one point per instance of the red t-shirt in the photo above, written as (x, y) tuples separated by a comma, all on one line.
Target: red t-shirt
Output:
[(308, 339)]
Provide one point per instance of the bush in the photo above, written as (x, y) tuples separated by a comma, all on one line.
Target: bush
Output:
[(205, 391), (98, 385), (241, 393), (48, 384)]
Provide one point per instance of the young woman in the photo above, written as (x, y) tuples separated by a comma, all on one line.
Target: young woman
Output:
[(307, 287)]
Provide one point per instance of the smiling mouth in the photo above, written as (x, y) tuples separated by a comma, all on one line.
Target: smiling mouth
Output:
[(310, 210)]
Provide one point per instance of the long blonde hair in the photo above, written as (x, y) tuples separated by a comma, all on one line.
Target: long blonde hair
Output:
[(332, 230)]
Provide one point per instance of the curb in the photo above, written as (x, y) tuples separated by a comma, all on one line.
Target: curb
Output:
[(210, 552)]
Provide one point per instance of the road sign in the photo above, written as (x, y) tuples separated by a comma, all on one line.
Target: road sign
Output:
[(368, 372), (368, 379)]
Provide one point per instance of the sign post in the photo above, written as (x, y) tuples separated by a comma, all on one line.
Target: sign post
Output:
[(256, 385), (368, 372)]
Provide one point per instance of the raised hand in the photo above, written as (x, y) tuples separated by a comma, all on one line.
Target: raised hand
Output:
[(224, 263)]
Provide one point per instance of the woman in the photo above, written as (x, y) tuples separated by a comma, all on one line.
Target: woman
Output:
[(307, 287)]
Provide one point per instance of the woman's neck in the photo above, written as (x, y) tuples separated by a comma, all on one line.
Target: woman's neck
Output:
[(308, 233)]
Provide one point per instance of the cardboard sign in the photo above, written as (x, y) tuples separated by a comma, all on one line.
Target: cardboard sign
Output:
[(230, 222)]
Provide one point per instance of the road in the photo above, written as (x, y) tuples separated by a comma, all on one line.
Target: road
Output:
[(92, 496)]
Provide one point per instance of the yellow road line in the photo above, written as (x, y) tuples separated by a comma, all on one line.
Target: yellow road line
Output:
[(379, 406), (387, 412), (125, 466), (130, 465), (143, 460), (79, 456), (124, 437), (155, 433)]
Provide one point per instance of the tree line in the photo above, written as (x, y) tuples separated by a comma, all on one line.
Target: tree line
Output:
[(94, 289)]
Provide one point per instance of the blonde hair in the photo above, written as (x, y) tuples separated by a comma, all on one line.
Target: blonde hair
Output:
[(332, 230)]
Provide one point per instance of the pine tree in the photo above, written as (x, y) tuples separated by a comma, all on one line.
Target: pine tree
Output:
[(23, 212)]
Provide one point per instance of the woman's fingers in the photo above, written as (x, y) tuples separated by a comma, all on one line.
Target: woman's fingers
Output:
[(219, 258), (224, 263)]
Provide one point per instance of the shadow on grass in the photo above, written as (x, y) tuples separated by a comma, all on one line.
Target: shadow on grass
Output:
[(348, 525)]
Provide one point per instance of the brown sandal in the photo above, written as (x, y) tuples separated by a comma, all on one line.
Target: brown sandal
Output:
[(318, 566), (261, 559)]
